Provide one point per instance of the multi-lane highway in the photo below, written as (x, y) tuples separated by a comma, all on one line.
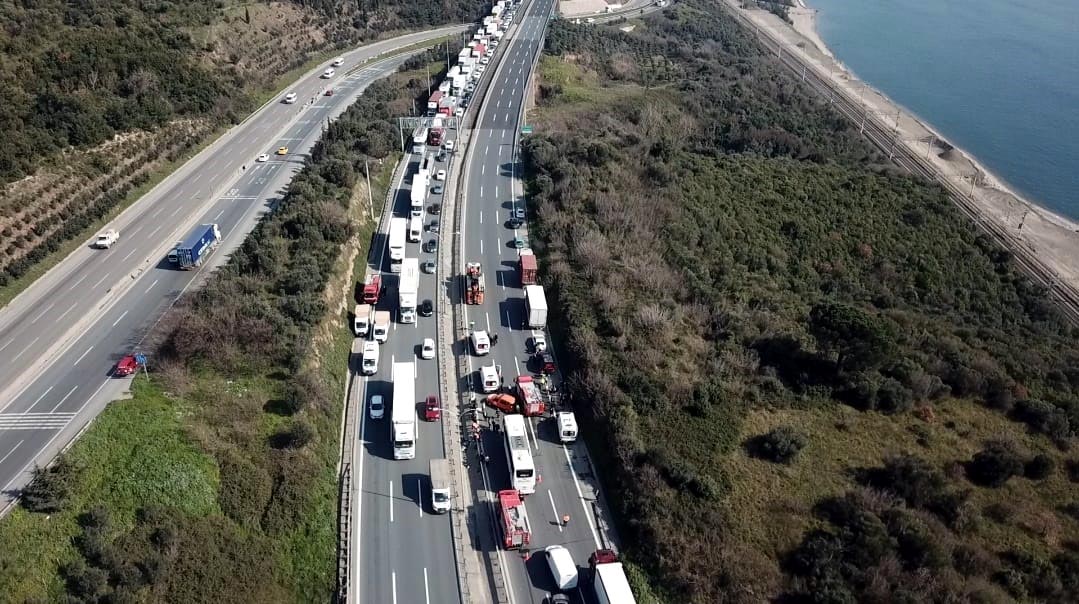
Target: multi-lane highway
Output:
[(492, 193), (60, 339)]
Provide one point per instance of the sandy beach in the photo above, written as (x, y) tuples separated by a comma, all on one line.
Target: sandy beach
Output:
[(1052, 237)]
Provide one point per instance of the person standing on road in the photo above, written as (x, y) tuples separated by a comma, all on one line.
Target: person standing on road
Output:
[(565, 519)]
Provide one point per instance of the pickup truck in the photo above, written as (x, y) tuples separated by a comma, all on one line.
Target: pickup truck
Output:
[(105, 240)]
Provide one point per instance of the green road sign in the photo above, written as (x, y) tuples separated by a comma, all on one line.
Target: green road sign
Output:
[(526, 129)]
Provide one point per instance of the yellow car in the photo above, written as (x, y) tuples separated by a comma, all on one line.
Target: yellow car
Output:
[(282, 151)]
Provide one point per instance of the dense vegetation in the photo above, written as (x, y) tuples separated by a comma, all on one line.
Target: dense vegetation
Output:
[(811, 378), (224, 466), (103, 95)]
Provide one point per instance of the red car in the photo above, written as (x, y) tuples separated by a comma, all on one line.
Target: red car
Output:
[(431, 411), (126, 366), (329, 92)]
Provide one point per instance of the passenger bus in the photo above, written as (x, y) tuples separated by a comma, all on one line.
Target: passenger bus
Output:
[(419, 140), (518, 454), (396, 243)]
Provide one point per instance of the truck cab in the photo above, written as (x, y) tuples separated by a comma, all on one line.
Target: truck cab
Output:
[(370, 358), (372, 288), (361, 320)]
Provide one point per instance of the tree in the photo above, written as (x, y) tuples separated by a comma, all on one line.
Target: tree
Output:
[(780, 445), (994, 465), (861, 341)]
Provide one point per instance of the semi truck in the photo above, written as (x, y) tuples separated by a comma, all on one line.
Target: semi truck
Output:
[(609, 579), (396, 242), (403, 415), (432, 101), (361, 320), (192, 251), (516, 531), (527, 266), (417, 196), (408, 285), (535, 307), (441, 496), (474, 283)]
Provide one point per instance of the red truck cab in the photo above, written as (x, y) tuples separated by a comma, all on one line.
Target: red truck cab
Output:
[(127, 366), (431, 410), (372, 288)]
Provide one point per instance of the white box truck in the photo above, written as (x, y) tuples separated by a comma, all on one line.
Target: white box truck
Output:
[(361, 320), (408, 285), (609, 581), (381, 326), (535, 307)]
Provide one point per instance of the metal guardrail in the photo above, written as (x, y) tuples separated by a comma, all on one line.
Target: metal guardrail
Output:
[(885, 138)]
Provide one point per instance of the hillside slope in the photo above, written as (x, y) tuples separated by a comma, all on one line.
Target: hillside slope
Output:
[(809, 378)]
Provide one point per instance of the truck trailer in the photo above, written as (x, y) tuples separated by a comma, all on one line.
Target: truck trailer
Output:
[(403, 415), (408, 285), (535, 307), (193, 250), (527, 266), (608, 579)]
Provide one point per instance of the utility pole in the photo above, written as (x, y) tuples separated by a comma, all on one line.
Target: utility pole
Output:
[(370, 199), (428, 67)]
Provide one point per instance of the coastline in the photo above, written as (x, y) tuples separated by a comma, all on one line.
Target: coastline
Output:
[(1052, 237)]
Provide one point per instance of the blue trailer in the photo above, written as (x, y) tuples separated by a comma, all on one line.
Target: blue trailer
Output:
[(189, 253)]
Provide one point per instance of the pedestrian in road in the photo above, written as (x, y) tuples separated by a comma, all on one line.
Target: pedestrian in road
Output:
[(494, 339), (565, 519)]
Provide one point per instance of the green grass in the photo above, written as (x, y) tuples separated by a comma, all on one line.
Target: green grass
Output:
[(134, 455)]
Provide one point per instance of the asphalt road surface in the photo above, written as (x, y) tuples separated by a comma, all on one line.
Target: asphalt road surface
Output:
[(60, 340), (492, 194)]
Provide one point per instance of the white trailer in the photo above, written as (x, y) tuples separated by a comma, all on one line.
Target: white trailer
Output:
[(408, 285), (417, 197), (403, 416), (535, 307), (396, 243)]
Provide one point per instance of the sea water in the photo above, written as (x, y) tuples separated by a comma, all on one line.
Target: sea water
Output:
[(998, 78)]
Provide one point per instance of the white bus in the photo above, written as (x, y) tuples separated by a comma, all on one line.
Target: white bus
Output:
[(419, 140), (403, 414), (518, 454), (398, 227)]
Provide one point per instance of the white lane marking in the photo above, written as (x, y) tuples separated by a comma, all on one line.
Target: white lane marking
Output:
[(154, 232), (176, 211), (481, 216), (580, 496), (496, 187), (487, 315), (99, 281), (218, 215), (18, 444), (499, 239), (65, 313), (129, 254), (66, 396), (481, 190), (426, 587), (515, 361), (393, 583), (481, 247), (21, 352), (120, 319), (483, 169), (391, 505), (554, 509), (81, 279), (82, 355), (151, 286), (419, 490), (43, 395), (42, 313), (6, 345), (486, 149)]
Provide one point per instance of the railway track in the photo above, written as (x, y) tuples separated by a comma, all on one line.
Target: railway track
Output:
[(884, 138)]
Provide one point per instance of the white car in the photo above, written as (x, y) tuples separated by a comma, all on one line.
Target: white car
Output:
[(377, 408), (481, 69), (290, 98), (494, 43), (459, 112), (105, 240), (440, 175), (328, 73), (339, 61), (485, 60), (263, 157), (427, 349), (448, 145)]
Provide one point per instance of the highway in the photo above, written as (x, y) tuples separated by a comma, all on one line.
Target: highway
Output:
[(61, 338), (491, 193)]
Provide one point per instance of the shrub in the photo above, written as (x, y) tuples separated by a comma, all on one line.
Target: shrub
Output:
[(1039, 467), (48, 489), (994, 465), (779, 445)]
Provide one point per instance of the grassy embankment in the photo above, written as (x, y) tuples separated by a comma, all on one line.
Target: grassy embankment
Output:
[(807, 375), (218, 479)]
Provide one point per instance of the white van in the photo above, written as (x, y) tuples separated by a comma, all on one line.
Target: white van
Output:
[(370, 358), (481, 343), (382, 326), (328, 73), (489, 377), (563, 569), (339, 61), (567, 426), (415, 229), (290, 98)]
